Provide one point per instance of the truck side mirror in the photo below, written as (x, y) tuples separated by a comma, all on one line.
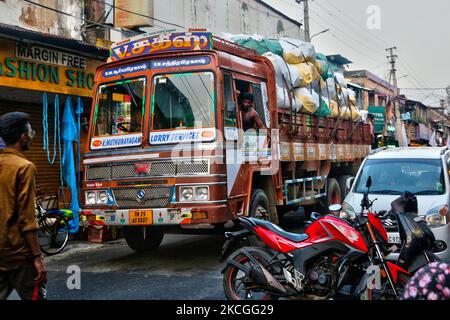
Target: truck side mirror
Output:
[(231, 109), (349, 183)]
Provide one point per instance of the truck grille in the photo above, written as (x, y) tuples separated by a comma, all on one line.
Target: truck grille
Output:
[(98, 173), (147, 169), (154, 197)]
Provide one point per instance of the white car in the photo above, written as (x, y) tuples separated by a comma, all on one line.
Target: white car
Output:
[(422, 171)]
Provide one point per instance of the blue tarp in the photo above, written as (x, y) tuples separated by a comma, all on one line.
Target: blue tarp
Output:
[(70, 135)]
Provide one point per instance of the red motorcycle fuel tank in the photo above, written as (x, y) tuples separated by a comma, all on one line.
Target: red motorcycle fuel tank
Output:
[(325, 229), (336, 229)]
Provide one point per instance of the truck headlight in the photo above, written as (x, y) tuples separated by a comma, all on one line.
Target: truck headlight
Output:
[(102, 197), (201, 193), (91, 198), (187, 193), (438, 216)]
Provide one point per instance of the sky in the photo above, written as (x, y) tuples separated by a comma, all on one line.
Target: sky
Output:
[(419, 30)]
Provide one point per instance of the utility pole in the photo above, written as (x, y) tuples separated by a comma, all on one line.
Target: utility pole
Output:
[(306, 20), (393, 80)]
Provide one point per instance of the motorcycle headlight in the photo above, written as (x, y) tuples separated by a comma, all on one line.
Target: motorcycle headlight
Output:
[(187, 193), (201, 193), (438, 216), (102, 198), (91, 198)]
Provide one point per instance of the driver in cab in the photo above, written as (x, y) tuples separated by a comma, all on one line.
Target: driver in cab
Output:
[(250, 118)]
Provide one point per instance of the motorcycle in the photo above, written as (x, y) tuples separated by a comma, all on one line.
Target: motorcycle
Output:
[(331, 259)]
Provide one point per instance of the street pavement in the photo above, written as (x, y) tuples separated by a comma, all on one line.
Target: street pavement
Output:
[(184, 267)]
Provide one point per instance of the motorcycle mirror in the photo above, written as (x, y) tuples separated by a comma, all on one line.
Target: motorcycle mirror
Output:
[(315, 216), (335, 208), (369, 182)]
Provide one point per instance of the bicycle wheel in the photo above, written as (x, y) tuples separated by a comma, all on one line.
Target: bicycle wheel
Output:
[(53, 233)]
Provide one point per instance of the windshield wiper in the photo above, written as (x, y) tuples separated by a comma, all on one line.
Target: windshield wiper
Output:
[(427, 192), (130, 92), (386, 192)]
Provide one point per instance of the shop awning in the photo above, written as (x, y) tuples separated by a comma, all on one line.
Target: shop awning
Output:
[(33, 37), (357, 86)]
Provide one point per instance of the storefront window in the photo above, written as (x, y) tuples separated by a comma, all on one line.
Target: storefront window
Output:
[(120, 108)]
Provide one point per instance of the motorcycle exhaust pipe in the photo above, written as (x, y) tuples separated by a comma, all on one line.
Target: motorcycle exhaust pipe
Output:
[(262, 277)]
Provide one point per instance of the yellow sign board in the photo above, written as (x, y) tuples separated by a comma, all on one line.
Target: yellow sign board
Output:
[(37, 68)]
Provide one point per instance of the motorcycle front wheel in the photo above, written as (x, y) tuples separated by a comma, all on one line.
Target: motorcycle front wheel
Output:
[(236, 284), (373, 294)]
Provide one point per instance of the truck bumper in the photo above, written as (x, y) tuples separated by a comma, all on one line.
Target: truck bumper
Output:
[(162, 216)]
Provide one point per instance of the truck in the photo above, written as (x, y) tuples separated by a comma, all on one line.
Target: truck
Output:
[(166, 152)]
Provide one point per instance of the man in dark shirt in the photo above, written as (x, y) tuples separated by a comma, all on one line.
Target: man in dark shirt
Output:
[(21, 264), (250, 118)]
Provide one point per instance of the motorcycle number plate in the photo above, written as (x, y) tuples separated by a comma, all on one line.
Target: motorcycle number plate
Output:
[(141, 217), (394, 238)]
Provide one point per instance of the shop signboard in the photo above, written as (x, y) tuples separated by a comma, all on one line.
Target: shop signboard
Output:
[(44, 69), (379, 113)]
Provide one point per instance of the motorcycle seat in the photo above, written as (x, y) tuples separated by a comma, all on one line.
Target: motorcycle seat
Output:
[(295, 237)]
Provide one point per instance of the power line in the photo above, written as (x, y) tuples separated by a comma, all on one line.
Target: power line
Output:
[(413, 75), (334, 17), (422, 89), (140, 14), (357, 24), (335, 36), (79, 18), (378, 61)]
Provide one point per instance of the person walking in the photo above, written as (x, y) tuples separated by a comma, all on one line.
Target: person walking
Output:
[(21, 263)]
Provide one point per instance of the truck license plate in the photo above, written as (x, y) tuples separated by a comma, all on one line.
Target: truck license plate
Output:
[(394, 238), (141, 217)]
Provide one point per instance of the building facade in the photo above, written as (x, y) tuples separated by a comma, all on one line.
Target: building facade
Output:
[(229, 16), (42, 52)]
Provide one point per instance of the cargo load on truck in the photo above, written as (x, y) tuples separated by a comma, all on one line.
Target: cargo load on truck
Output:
[(305, 80)]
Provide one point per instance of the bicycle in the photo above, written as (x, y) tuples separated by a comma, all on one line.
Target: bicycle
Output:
[(53, 225)]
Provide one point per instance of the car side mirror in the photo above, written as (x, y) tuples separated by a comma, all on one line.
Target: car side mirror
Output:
[(231, 109), (349, 182)]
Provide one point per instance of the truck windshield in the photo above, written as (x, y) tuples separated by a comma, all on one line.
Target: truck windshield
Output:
[(395, 176), (183, 101), (120, 108)]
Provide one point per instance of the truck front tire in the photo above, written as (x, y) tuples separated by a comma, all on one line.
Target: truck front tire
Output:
[(135, 239)]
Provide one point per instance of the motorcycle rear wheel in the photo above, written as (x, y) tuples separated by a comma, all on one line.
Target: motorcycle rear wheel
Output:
[(233, 280)]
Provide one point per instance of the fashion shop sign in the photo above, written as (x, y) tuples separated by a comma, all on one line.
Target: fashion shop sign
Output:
[(43, 69)]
